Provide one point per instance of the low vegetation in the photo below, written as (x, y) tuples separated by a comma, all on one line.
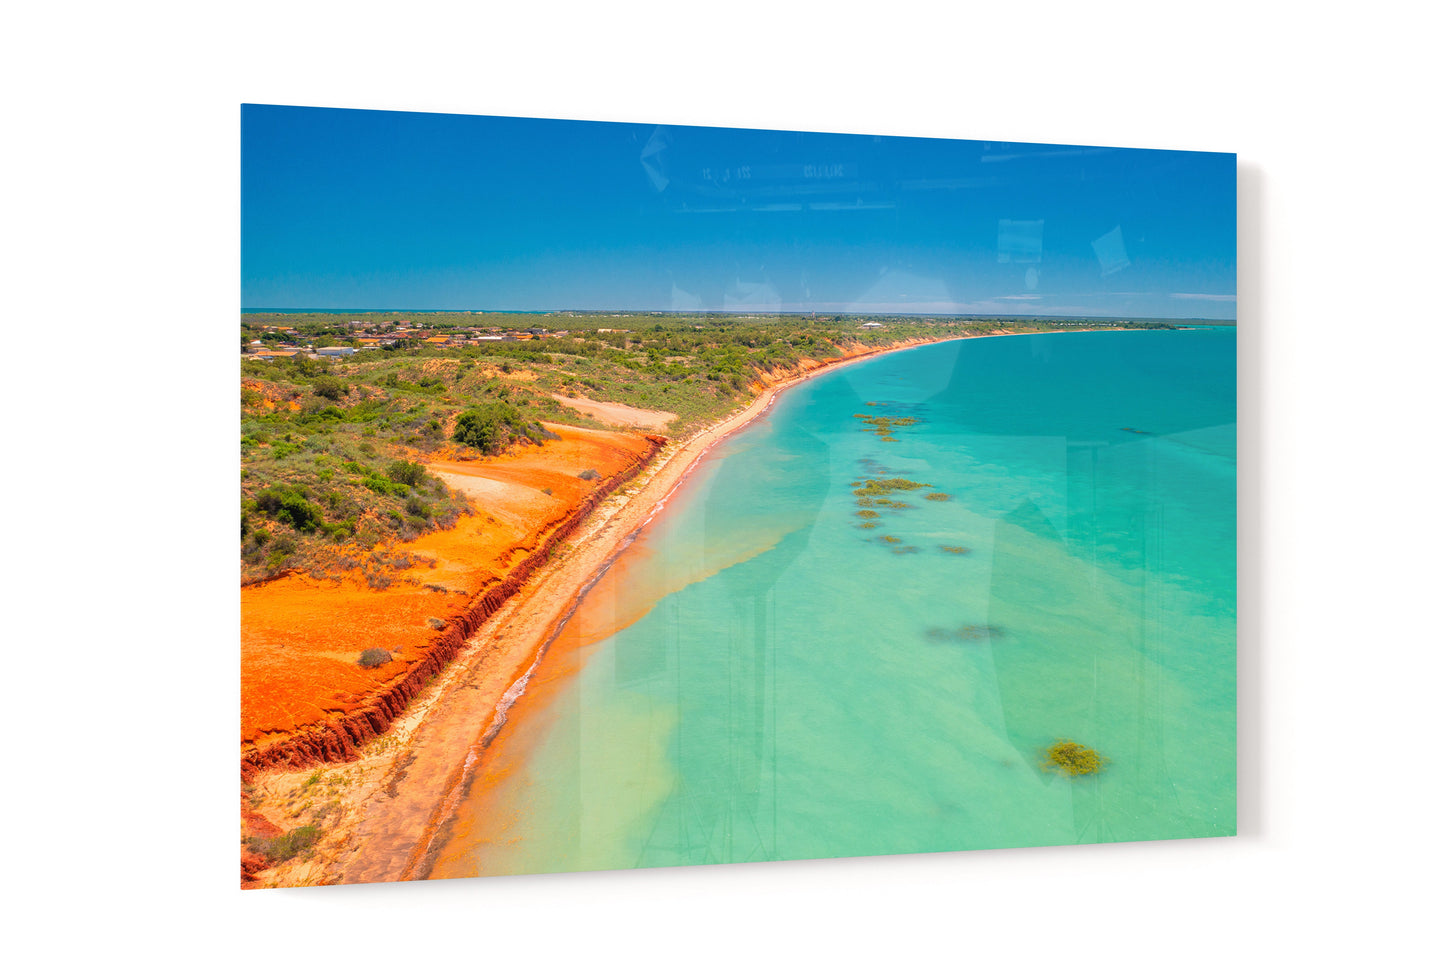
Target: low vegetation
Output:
[(332, 448), (278, 849), (494, 427), (372, 658)]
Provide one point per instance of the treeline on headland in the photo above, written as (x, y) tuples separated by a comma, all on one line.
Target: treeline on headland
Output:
[(338, 410)]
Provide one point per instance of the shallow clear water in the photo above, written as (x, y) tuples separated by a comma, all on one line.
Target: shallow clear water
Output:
[(762, 678)]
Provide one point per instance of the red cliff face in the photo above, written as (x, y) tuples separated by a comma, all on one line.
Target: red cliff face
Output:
[(336, 739)]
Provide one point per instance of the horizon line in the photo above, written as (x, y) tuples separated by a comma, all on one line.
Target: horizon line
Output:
[(737, 312)]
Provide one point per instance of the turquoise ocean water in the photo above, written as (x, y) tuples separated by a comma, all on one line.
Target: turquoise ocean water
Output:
[(763, 678)]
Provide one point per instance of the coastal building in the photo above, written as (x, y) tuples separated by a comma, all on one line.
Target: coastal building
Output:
[(339, 351)]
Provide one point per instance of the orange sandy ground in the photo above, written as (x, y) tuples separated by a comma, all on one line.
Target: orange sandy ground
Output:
[(301, 637)]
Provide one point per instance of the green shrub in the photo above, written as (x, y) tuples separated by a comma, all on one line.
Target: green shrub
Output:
[(288, 504), (306, 367), (490, 427), (589, 474), (330, 387), (383, 487), (372, 658), (406, 472)]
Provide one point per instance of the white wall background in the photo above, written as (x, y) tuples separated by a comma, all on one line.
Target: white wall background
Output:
[(121, 221)]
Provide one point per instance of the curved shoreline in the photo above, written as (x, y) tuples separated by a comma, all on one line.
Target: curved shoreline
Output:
[(338, 739), (398, 835), (403, 798)]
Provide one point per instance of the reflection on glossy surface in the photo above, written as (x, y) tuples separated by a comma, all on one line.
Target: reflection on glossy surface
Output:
[(763, 678)]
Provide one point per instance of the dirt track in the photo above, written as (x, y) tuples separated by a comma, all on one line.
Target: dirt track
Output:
[(613, 413)]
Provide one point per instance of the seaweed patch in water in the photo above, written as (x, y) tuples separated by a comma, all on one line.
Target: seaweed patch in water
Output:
[(955, 549), (938, 496), (878, 487), (1074, 759), (905, 550), (883, 426)]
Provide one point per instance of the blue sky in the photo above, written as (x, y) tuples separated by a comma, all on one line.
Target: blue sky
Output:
[(378, 209)]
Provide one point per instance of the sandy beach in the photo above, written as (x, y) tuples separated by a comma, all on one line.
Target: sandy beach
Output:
[(384, 813)]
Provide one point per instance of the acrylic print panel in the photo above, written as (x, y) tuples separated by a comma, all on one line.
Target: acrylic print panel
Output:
[(617, 495)]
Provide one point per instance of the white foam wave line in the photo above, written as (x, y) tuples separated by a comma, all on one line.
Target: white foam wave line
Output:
[(452, 801), (509, 699)]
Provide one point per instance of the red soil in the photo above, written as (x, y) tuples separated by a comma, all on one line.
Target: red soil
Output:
[(304, 699)]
